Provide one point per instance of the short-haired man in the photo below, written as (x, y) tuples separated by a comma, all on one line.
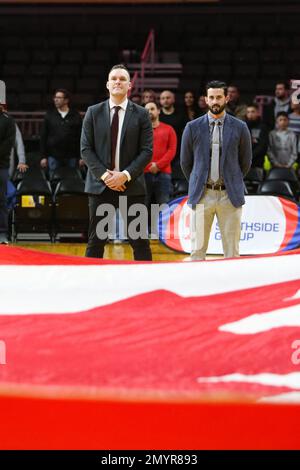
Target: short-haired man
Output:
[(147, 96), (158, 171), (60, 134), (259, 135), (234, 105), (116, 145), (170, 115), (281, 102), (215, 156)]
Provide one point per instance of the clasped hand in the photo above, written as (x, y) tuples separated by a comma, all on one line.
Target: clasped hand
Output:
[(116, 180)]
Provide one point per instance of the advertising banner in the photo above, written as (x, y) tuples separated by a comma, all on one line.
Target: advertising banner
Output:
[(269, 225)]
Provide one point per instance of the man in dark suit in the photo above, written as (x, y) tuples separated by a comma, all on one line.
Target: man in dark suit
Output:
[(215, 155), (116, 145)]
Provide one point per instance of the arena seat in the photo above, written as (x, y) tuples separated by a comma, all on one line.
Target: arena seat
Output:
[(71, 214), (33, 212), (276, 188)]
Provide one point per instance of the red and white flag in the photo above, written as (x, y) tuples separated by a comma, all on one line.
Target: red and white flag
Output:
[(223, 327)]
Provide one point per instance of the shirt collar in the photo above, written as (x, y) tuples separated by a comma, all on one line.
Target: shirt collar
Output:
[(123, 105), (211, 119)]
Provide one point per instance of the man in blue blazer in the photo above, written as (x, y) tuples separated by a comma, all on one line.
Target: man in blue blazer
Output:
[(215, 155), (116, 145)]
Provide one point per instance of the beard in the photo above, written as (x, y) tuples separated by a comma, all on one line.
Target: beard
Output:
[(216, 108)]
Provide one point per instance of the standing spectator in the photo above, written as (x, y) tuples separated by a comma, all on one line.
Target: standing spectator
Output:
[(281, 102), (19, 151), (294, 123), (259, 135), (147, 96), (136, 98), (282, 150), (234, 105), (60, 135), (7, 140), (170, 115), (190, 108), (158, 171), (202, 105)]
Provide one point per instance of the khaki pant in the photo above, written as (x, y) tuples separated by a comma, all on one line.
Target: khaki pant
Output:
[(215, 202)]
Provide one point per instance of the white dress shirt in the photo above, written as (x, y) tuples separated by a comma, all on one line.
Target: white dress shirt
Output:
[(122, 112)]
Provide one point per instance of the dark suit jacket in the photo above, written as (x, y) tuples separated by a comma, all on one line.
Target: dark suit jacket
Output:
[(235, 159), (135, 146)]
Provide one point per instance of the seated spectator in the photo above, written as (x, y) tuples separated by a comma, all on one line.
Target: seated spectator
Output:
[(60, 134), (203, 108), (281, 102), (19, 151), (259, 135), (190, 108), (234, 106), (282, 150), (148, 96)]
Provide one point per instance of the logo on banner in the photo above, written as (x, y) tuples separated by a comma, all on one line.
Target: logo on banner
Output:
[(269, 224)]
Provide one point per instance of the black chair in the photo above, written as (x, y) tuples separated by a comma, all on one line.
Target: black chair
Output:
[(285, 174), (276, 188), (64, 173), (71, 213), (253, 179), (33, 212)]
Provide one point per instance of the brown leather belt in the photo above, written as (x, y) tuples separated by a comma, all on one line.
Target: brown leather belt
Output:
[(217, 187)]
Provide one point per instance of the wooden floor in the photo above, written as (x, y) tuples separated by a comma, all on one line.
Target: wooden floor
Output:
[(118, 251)]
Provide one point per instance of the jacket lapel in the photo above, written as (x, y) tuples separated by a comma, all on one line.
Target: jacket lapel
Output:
[(127, 117), (205, 137), (227, 131), (106, 125)]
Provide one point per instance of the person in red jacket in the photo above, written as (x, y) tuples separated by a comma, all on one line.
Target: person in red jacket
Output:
[(158, 171)]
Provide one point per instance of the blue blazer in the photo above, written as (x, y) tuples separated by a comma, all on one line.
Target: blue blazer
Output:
[(235, 160)]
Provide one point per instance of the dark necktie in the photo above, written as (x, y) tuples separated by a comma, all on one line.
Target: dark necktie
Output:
[(114, 135)]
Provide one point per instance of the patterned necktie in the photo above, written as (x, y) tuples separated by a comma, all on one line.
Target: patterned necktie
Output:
[(114, 128), (215, 152)]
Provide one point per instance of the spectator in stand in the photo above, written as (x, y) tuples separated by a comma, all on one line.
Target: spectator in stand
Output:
[(282, 150), (7, 140), (60, 135), (294, 123), (136, 98), (234, 106), (158, 171), (147, 96), (191, 111), (19, 151), (259, 136), (281, 102), (202, 105), (170, 115)]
